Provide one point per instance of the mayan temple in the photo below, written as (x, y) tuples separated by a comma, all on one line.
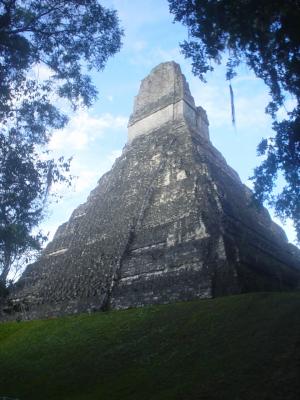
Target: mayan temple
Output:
[(171, 221)]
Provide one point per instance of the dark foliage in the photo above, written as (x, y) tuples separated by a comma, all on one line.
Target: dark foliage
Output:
[(68, 38), (266, 36)]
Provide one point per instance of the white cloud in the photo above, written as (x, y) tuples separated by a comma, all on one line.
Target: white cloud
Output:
[(41, 72), (114, 154), (249, 105), (86, 175), (83, 129), (86, 180), (250, 111), (248, 77), (139, 45)]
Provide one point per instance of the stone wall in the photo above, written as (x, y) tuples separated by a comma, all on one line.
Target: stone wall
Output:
[(171, 221), (165, 96)]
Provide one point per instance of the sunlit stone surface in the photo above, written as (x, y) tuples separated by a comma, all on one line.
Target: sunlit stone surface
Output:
[(171, 221)]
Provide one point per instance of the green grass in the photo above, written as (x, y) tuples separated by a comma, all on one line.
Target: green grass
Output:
[(238, 348)]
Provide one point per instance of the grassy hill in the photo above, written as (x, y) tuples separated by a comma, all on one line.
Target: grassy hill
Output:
[(237, 348)]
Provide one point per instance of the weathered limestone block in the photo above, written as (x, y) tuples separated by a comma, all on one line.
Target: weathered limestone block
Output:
[(171, 221), (165, 96)]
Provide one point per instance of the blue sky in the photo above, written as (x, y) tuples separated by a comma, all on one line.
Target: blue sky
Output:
[(96, 137)]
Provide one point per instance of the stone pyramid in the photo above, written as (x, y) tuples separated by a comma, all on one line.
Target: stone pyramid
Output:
[(171, 221)]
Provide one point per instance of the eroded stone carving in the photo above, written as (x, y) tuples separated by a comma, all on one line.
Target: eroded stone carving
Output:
[(171, 221)]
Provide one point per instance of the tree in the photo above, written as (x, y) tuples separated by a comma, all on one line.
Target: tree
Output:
[(69, 38), (266, 36)]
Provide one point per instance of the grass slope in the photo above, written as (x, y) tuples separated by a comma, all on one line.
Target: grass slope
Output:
[(237, 348)]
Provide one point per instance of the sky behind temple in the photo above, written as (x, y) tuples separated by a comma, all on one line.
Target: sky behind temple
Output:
[(96, 137)]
